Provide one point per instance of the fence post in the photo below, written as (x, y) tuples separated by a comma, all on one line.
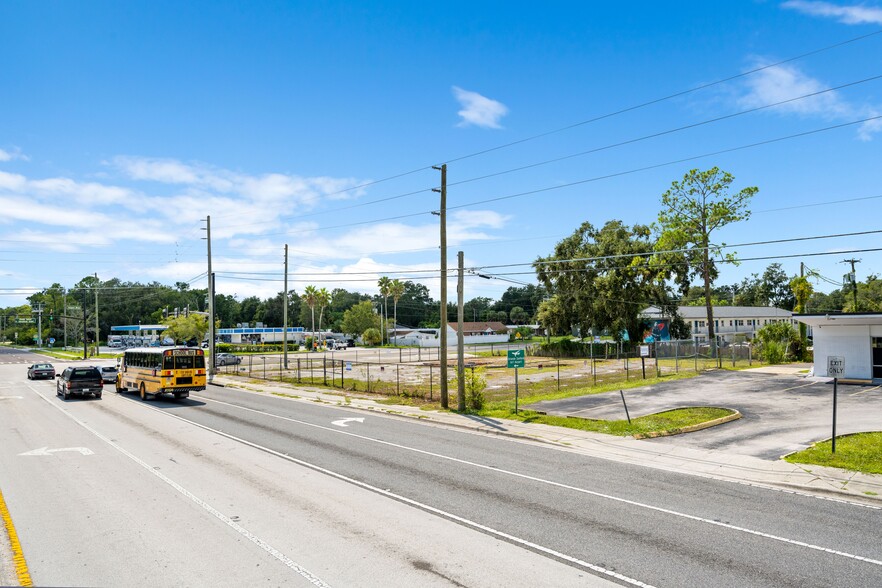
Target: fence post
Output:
[(626, 368), (342, 367), (430, 381), (398, 379), (298, 370), (324, 372), (558, 375), (368, 376), (676, 357)]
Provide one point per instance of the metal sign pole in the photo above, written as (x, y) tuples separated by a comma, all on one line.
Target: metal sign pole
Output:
[(833, 441), (516, 390)]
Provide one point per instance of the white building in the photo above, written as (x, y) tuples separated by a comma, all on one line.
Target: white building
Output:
[(855, 337), (730, 322), (473, 334)]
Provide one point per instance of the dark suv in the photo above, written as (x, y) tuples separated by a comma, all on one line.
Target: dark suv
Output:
[(79, 380)]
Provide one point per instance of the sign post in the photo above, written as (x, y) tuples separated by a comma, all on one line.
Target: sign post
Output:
[(516, 360), (644, 353), (835, 368)]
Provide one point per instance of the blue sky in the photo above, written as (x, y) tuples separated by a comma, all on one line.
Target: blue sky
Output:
[(123, 125)]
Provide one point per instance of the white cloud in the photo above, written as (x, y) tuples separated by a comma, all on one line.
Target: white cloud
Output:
[(479, 110), (852, 15), (13, 155), (784, 82)]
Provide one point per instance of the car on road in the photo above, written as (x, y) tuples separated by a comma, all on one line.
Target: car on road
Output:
[(227, 359), (41, 370), (108, 374), (80, 380)]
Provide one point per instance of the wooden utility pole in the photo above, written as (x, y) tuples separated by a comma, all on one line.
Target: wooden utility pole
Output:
[(853, 280), (443, 334), (285, 313), (211, 335), (97, 337), (460, 347)]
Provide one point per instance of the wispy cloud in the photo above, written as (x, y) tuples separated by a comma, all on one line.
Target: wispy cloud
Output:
[(783, 82), (479, 110), (287, 189), (12, 155), (850, 14)]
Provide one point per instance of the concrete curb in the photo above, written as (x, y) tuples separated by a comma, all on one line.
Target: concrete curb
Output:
[(692, 428)]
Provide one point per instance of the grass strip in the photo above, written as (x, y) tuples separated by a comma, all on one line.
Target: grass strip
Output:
[(860, 452)]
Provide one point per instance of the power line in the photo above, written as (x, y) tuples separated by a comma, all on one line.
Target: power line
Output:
[(574, 155)]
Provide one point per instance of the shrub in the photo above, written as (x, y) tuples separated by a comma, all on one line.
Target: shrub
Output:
[(371, 336), (475, 382)]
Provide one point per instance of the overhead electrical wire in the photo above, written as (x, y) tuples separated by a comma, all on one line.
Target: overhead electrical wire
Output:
[(608, 115)]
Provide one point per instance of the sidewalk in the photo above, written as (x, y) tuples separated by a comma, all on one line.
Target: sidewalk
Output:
[(818, 480)]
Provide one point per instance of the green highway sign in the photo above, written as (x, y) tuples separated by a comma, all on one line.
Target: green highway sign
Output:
[(516, 358)]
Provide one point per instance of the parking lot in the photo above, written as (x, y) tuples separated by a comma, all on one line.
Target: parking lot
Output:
[(780, 413)]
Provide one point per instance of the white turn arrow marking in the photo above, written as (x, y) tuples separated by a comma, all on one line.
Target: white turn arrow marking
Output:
[(342, 422), (47, 451)]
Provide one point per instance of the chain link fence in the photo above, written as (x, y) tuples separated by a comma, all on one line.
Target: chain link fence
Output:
[(416, 373)]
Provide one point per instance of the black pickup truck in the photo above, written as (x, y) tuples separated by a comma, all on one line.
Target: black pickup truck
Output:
[(79, 380)]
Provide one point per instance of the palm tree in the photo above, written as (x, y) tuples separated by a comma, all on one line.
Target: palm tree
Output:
[(323, 299), (384, 283), (310, 297), (396, 290)]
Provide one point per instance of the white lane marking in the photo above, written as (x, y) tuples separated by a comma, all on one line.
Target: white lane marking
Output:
[(342, 422), (11, 397), (565, 486), (309, 576), (800, 386), (865, 390), (415, 503), (47, 451)]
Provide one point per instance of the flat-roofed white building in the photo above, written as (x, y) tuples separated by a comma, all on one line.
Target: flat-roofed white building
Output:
[(855, 337), (732, 323)]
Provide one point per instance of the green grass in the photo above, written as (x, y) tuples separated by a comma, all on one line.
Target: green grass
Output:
[(73, 355), (861, 452), (669, 422)]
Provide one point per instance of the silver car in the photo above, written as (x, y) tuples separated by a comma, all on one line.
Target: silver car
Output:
[(227, 359)]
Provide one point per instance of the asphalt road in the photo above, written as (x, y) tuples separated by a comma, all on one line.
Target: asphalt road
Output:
[(780, 413), (194, 493)]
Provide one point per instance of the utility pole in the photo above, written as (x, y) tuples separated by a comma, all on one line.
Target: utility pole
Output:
[(85, 343), (443, 350), (211, 365), (39, 310), (64, 318), (285, 313), (853, 280), (460, 347), (97, 337)]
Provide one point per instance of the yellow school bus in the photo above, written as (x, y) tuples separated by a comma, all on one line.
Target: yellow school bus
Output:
[(155, 370)]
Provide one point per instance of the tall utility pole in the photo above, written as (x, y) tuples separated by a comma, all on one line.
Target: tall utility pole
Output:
[(443, 350), (211, 335), (285, 313), (64, 318), (853, 280), (97, 337), (460, 347), (39, 310), (85, 343)]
